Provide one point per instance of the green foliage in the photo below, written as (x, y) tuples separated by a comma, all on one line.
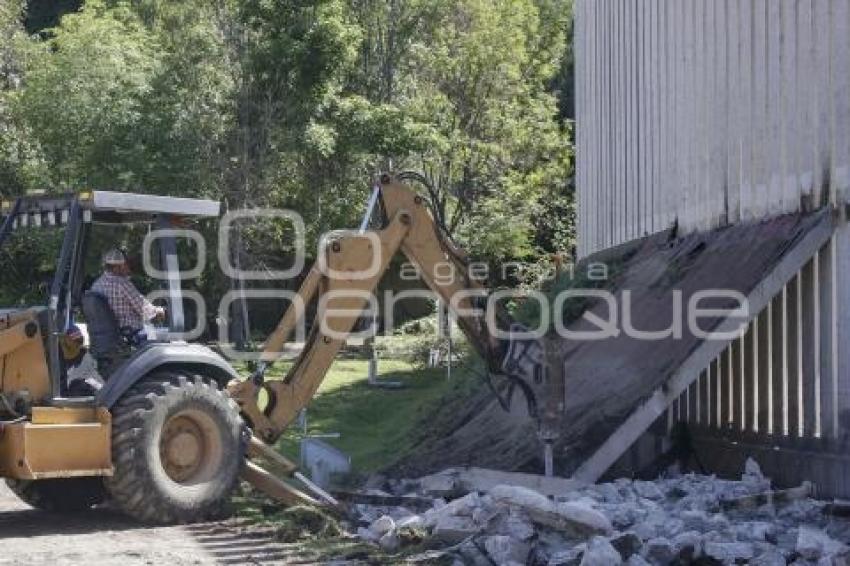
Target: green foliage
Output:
[(27, 262), (297, 105), (21, 163), (413, 342), (115, 103), (497, 152), (301, 522), (83, 95)]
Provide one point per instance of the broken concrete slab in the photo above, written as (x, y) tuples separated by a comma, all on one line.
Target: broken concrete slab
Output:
[(504, 549), (688, 524), (648, 490), (464, 506), (454, 481), (729, 552), (451, 529), (573, 517), (687, 546), (627, 544), (600, 553), (389, 541), (569, 557), (659, 550), (516, 524), (382, 526)]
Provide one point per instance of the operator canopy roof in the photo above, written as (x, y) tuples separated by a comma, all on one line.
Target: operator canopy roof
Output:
[(105, 207)]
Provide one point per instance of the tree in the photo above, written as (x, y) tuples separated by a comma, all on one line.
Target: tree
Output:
[(460, 90), (21, 163), (496, 150), (83, 95), (117, 102)]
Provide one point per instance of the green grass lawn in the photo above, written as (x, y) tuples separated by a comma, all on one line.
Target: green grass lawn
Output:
[(376, 425)]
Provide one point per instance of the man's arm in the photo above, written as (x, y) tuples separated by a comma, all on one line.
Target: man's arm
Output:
[(139, 303)]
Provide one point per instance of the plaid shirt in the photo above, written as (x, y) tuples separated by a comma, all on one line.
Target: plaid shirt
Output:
[(130, 307)]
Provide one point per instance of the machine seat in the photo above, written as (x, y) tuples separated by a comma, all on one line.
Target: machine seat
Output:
[(107, 343)]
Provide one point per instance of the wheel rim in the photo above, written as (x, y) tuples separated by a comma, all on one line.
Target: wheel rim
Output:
[(190, 447)]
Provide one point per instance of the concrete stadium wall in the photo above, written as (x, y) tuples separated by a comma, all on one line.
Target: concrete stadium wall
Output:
[(705, 113), (708, 112)]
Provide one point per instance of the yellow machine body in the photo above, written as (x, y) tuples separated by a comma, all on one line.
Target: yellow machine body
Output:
[(53, 442), (57, 443), (24, 376)]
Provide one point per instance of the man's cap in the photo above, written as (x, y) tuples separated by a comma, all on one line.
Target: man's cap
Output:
[(114, 257)]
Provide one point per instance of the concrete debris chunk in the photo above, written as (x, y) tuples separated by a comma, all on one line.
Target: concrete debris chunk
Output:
[(504, 549), (659, 550), (729, 552), (573, 516), (389, 542), (624, 516), (607, 493), (600, 553), (752, 469), (382, 526), (463, 506), (755, 531), (443, 484), (648, 490), (569, 557), (517, 525), (366, 534), (627, 544), (753, 478), (452, 529), (813, 544), (769, 557), (472, 554), (687, 546), (583, 518), (487, 511)]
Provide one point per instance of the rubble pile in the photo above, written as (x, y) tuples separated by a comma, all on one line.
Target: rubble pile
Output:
[(679, 519)]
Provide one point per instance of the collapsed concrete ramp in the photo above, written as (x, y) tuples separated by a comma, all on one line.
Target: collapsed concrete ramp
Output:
[(618, 386)]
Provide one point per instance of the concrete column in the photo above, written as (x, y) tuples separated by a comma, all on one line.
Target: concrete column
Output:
[(778, 362), (842, 301), (811, 345), (828, 353), (764, 398), (749, 399)]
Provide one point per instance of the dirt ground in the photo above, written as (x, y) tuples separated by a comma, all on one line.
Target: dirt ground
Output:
[(103, 537)]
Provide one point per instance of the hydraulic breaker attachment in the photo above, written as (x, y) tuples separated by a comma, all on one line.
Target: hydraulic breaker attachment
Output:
[(275, 487)]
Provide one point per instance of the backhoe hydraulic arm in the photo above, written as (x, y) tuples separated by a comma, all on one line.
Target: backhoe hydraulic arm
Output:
[(342, 281)]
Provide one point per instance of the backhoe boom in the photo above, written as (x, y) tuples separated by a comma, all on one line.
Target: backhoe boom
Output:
[(342, 282)]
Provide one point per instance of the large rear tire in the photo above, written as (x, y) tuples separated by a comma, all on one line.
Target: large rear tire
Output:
[(177, 448), (59, 495)]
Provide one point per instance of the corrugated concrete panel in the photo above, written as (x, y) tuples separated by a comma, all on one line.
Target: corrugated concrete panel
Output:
[(706, 112), (789, 403)]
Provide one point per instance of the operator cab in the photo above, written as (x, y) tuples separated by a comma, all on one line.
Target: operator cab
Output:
[(69, 290)]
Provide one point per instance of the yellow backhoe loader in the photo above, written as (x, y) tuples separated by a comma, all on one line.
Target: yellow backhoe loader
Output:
[(173, 425)]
